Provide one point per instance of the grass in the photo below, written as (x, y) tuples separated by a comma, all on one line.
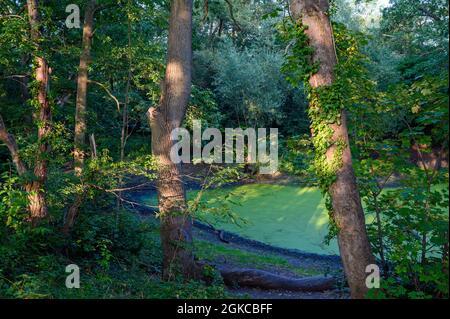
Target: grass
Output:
[(210, 251)]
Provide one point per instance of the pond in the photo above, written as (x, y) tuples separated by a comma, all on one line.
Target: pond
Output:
[(285, 216), (280, 215)]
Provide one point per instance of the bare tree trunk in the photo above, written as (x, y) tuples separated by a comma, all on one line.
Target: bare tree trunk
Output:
[(37, 203), (80, 111), (176, 224), (82, 83), (93, 146), (347, 209), (124, 132)]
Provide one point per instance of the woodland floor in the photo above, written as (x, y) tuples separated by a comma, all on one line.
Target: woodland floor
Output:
[(240, 252)]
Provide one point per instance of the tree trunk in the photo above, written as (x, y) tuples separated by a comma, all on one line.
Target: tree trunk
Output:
[(80, 111), (93, 146), (10, 142), (73, 213), (348, 214), (124, 131), (82, 83), (176, 224), (37, 202), (33, 187), (256, 278)]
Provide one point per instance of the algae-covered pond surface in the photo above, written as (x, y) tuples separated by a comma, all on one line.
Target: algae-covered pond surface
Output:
[(286, 216), (280, 215)]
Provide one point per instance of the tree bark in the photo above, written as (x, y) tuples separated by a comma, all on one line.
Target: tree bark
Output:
[(93, 146), (256, 278), (80, 111), (37, 202), (10, 142), (124, 131), (82, 83), (348, 213), (176, 224), (30, 186)]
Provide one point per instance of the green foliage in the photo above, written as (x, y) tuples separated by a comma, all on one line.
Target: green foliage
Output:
[(248, 84), (13, 201), (218, 208), (117, 259), (203, 107), (297, 156), (409, 231), (414, 230), (297, 65), (391, 77), (410, 225), (419, 31)]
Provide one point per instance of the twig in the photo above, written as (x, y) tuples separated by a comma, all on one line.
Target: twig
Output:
[(107, 91)]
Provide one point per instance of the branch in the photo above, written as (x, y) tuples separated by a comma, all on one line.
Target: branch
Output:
[(12, 16), (230, 6), (10, 142), (119, 197), (429, 14), (109, 93), (422, 159), (133, 204), (13, 77), (126, 188), (206, 10)]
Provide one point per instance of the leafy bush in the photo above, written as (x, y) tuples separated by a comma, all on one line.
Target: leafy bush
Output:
[(411, 236)]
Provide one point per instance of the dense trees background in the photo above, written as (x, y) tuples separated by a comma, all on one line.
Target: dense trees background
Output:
[(249, 62)]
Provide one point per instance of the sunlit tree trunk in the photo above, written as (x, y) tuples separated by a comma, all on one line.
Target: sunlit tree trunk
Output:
[(37, 202), (176, 225), (80, 111), (82, 84), (348, 213)]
